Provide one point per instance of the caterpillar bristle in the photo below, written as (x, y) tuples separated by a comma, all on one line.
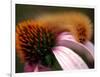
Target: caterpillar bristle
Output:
[(77, 23), (33, 41), (82, 27)]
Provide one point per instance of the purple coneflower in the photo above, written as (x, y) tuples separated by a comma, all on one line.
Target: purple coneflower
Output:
[(40, 46)]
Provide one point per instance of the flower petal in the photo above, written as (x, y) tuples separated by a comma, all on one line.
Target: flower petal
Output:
[(29, 68), (90, 46), (35, 68), (83, 50), (68, 59)]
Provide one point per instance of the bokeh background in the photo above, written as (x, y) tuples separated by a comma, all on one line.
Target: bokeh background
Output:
[(25, 12)]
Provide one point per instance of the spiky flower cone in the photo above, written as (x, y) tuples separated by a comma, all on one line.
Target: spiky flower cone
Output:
[(34, 43)]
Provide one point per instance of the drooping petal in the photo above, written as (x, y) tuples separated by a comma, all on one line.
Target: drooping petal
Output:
[(67, 36), (68, 59), (90, 46), (83, 50)]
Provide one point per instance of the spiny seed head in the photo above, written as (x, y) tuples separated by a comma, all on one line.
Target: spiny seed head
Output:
[(33, 41)]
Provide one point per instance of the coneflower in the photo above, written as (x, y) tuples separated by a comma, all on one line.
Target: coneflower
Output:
[(50, 44), (34, 45)]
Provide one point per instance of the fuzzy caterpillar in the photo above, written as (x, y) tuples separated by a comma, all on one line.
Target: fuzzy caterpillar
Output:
[(78, 24)]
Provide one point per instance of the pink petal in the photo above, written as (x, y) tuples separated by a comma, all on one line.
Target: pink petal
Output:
[(35, 68), (73, 44), (90, 46), (43, 68), (29, 68), (64, 36), (68, 59), (80, 49)]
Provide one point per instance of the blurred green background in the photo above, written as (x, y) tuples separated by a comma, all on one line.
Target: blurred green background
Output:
[(24, 12)]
